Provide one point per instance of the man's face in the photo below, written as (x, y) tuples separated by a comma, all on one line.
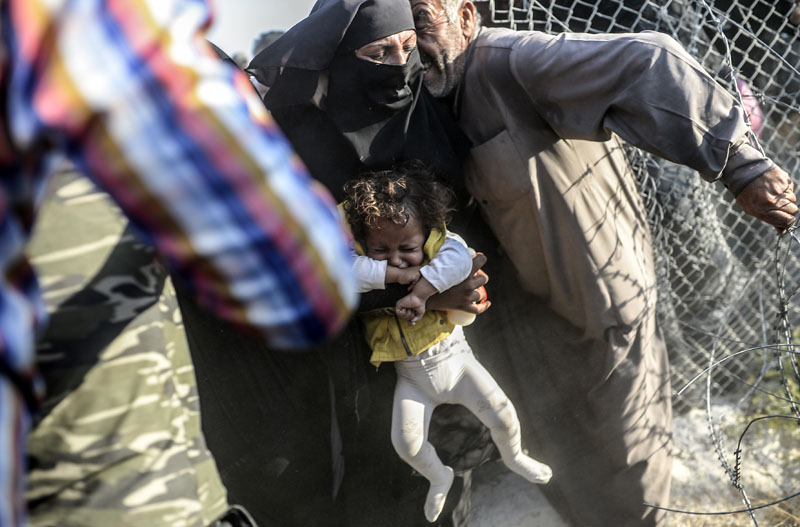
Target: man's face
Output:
[(441, 45)]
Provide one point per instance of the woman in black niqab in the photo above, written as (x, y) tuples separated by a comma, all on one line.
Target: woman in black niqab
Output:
[(372, 115), (327, 409)]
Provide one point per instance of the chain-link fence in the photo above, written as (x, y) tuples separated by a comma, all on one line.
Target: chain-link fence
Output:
[(718, 292)]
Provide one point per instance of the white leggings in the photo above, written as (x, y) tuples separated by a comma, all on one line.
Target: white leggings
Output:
[(450, 373)]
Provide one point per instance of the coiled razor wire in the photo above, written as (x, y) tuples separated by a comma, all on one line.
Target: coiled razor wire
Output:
[(723, 280)]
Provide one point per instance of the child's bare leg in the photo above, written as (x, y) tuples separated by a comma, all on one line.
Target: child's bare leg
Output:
[(411, 415), (480, 393)]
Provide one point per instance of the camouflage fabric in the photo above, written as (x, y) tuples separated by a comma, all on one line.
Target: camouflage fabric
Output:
[(118, 442)]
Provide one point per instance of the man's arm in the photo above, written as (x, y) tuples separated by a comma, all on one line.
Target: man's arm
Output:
[(465, 296), (647, 89), (771, 199), (181, 141)]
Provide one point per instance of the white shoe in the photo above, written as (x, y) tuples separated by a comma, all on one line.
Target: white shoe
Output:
[(437, 495), (530, 469)]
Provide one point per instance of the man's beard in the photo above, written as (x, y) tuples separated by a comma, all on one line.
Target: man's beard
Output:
[(447, 72)]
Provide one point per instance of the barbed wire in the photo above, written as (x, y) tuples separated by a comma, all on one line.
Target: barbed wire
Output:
[(750, 509), (783, 299), (730, 357), (734, 85), (786, 348), (725, 513)]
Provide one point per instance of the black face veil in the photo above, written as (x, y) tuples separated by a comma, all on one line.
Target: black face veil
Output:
[(382, 111)]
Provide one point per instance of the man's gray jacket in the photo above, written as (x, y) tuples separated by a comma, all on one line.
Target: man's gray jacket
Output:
[(565, 206), (544, 114)]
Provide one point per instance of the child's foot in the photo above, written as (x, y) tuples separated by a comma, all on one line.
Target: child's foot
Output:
[(530, 469), (437, 495)]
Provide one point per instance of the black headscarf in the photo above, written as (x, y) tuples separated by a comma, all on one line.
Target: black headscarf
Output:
[(375, 114)]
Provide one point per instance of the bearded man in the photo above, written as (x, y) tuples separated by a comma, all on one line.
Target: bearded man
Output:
[(544, 114)]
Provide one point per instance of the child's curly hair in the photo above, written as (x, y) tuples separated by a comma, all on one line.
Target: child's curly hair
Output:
[(409, 190)]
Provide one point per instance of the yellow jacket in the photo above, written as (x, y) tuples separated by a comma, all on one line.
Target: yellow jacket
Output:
[(392, 338)]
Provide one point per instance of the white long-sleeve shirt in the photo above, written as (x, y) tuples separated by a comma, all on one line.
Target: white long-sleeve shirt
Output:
[(450, 266)]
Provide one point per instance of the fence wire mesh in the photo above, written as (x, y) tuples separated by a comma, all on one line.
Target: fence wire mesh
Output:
[(718, 291)]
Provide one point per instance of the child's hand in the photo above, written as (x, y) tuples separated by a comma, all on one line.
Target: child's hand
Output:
[(410, 308), (405, 276)]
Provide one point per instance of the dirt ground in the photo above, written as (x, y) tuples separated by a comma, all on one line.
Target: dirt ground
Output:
[(500, 498), (770, 471)]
